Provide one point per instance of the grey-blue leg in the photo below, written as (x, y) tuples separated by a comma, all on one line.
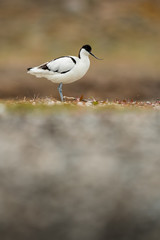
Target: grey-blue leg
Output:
[(60, 91)]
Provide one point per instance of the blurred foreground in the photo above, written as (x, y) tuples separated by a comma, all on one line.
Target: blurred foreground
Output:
[(85, 173)]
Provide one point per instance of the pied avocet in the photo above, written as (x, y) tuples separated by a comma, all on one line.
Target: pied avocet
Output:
[(65, 69)]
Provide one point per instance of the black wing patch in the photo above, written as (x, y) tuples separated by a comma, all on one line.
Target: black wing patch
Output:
[(73, 60), (44, 67), (65, 71), (68, 57)]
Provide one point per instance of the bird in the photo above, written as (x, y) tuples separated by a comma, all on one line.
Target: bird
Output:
[(65, 69)]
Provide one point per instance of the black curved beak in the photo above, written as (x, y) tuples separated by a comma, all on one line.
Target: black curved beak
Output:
[(95, 56)]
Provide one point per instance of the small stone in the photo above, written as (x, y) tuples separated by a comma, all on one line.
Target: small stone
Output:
[(80, 103)]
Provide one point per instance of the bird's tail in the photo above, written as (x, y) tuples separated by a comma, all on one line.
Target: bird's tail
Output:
[(34, 70), (38, 72)]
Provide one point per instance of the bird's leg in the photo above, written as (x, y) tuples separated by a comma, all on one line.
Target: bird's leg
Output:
[(60, 91)]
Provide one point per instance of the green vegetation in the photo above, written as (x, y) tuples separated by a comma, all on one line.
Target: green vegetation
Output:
[(48, 105)]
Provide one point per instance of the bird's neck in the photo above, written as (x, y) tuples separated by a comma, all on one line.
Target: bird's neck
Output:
[(83, 56)]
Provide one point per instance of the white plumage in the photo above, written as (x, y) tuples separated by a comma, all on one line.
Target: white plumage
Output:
[(65, 69)]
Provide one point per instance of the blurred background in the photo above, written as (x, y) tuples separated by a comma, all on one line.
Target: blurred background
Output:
[(80, 175), (126, 34)]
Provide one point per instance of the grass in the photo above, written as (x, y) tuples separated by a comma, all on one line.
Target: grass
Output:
[(49, 105)]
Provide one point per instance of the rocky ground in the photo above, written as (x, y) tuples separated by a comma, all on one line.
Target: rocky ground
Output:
[(82, 170)]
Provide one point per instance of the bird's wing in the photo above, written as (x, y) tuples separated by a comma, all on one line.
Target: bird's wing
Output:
[(60, 65)]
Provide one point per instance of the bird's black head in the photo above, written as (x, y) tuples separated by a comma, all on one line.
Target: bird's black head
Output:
[(87, 48)]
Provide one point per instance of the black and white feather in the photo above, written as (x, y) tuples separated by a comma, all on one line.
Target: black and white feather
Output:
[(60, 65), (56, 69)]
